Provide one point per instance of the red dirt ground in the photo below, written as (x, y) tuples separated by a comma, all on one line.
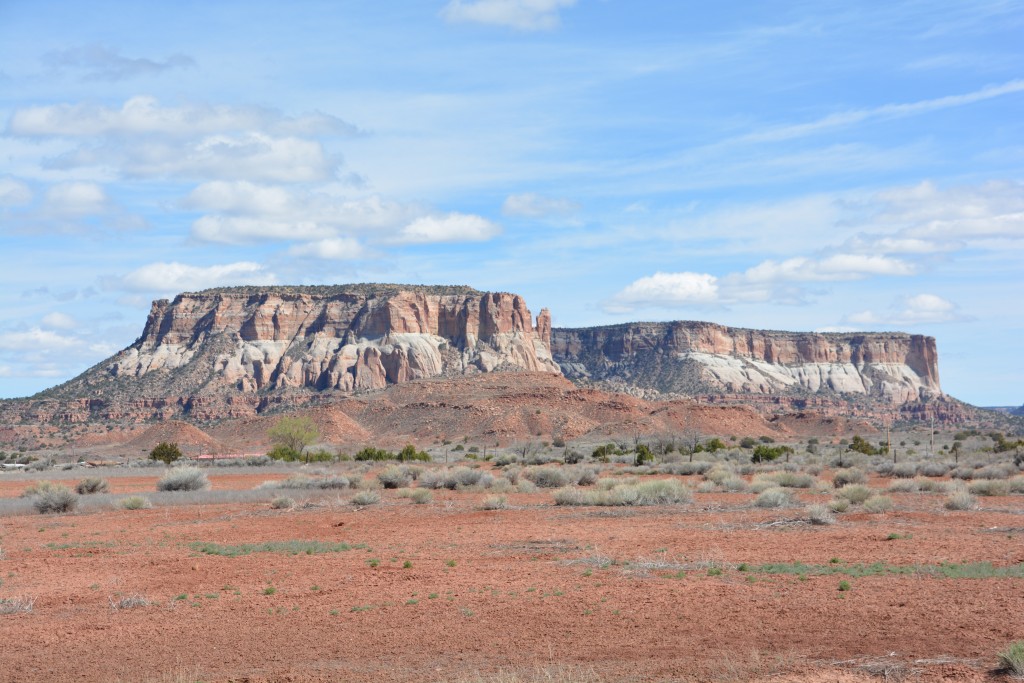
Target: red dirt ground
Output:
[(521, 588)]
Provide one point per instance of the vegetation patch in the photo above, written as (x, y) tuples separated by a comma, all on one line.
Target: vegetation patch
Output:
[(282, 547)]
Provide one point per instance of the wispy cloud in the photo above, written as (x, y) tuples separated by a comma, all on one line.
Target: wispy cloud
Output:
[(99, 63), (523, 15), (919, 309), (176, 277)]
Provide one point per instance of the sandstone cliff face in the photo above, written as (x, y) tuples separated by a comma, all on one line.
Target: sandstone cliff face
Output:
[(697, 358), (346, 338)]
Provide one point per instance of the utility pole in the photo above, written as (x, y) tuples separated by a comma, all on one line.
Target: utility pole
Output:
[(931, 435)]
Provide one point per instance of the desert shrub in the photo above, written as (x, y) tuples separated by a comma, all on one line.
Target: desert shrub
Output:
[(960, 500), (965, 473), (657, 492), (1017, 485), (608, 483), (904, 486), (732, 484), (839, 505), (762, 483), (706, 487), (120, 602), (586, 477), (284, 453), (718, 473), (849, 476), (905, 470), (861, 445), (791, 480), (884, 468), (931, 485), (773, 498), (505, 459), (878, 504), (1012, 658), (432, 479), (526, 486), (165, 452), (367, 497), (39, 488), (1003, 471), (254, 461), (855, 493), (92, 485), (494, 503), (465, 477), (989, 487), (547, 477), (282, 503), (765, 453), (421, 496), (305, 481), (820, 515), (394, 477), (16, 605), (135, 503), (183, 479), (687, 468), (409, 453), (933, 469), (56, 498)]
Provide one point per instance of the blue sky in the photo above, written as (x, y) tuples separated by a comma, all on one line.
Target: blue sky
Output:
[(786, 165)]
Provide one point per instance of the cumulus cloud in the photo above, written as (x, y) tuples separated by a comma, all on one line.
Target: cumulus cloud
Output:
[(332, 249), (179, 277), (59, 321), (36, 339), (247, 230), (77, 198), (919, 309), (667, 290), (100, 63), (778, 282), (14, 192), (523, 15), (531, 205), (452, 227)]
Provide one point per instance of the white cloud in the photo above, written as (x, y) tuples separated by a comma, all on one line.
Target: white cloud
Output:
[(887, 111), (919, 309), (14, 192), (37, 340), (241, 197), (144, 115), (667, 290), (829, 269), (59, 321), (333, 249), (246, 230), (531, 205), (102, 64), (179, 277), (246, 156), (524, 15), (77, 198), (452, 227)]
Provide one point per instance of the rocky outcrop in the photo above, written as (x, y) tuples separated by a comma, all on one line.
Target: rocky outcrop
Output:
[(240, 347), (705, 359)]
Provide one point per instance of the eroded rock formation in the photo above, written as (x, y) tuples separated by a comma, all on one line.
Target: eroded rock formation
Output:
[(699, 358)]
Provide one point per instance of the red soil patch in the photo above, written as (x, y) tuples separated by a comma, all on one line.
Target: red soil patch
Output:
[(518, 588)]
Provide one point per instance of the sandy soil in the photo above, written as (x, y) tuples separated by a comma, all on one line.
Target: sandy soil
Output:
[(618, 594)]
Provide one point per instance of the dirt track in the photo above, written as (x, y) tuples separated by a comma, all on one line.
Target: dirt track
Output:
[(533, 585)]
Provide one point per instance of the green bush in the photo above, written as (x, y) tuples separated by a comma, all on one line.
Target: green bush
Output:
[(1012, 658), (861, 445), (765, 453), (165, 452)]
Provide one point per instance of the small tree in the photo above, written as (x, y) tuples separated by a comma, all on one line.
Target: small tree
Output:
[(294, 433), (165, 452)]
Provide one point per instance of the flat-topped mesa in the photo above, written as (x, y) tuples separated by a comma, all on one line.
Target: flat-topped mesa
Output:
[(345, 338), (695, 358)]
